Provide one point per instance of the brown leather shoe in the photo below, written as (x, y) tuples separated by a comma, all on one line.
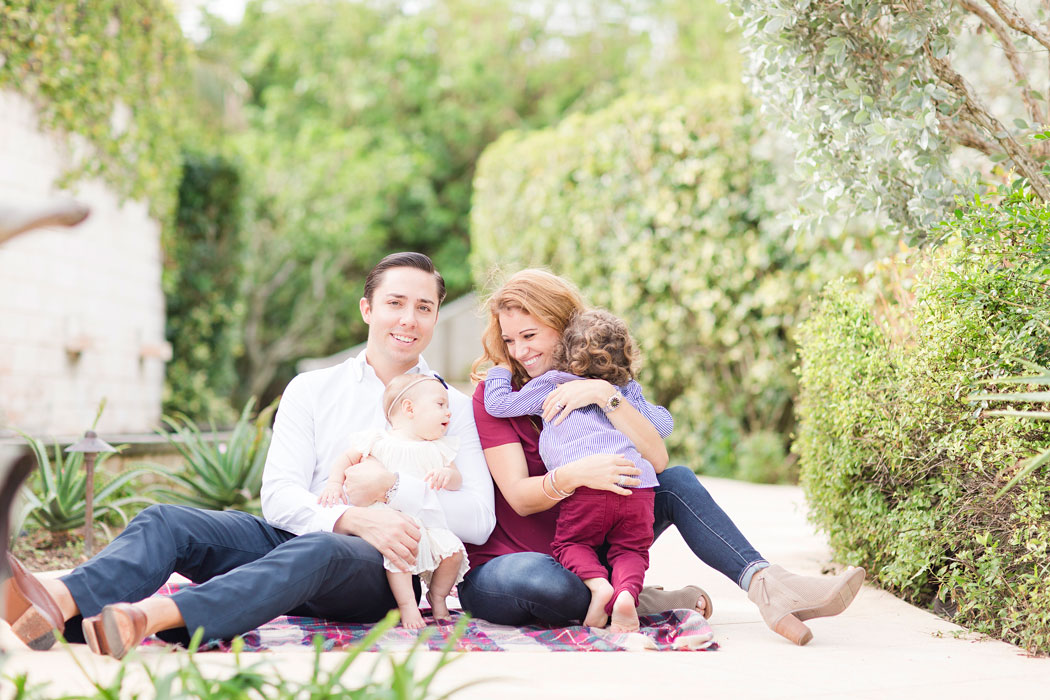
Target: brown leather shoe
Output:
[(123, 628), (92, 629), (29, 608)]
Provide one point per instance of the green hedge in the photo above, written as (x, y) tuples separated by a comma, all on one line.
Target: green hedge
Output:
[(898, 467), (663, 210)]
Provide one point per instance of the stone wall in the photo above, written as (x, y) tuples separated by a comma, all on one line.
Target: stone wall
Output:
[(81, 309)]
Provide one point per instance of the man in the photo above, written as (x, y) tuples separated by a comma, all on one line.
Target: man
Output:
[(304, 559)]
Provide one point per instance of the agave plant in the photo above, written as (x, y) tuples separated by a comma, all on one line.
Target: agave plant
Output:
[(1040, 377), (58, 499), (221, 474)]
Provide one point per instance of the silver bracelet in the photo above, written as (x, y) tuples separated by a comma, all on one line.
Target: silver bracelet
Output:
[(558, 491), (392, 491)]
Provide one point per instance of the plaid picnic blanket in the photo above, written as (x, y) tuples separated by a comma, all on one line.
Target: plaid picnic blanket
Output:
[(683, 630)]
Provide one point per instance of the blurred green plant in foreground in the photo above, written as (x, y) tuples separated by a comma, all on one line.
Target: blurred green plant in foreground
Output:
[(389, 677)]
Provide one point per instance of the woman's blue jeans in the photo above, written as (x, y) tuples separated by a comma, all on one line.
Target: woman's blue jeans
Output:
[(520, 588)]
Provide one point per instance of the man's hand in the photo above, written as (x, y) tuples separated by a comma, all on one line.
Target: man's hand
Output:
[(393, 533), (367, 482)]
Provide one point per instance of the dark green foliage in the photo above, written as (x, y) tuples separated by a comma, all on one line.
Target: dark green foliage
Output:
[(898, 467), (663, 210), (202, 277), (221, 474)]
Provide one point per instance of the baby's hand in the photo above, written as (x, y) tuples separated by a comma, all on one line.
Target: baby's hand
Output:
[(332, 494), (439, 478)]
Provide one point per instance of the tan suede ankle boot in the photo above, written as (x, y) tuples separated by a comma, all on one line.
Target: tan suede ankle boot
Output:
[(786, 599)]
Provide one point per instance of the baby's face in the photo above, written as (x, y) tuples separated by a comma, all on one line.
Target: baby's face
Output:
[(430, 411)]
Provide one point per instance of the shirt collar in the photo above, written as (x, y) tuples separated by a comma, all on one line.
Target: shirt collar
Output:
[(359, 367)]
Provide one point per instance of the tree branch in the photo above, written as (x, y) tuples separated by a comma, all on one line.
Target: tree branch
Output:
[(968, 137), (981, 117), (1010, 49), (1017, 22)]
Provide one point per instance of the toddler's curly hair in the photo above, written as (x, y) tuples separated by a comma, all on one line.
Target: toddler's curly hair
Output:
[(597, 344)]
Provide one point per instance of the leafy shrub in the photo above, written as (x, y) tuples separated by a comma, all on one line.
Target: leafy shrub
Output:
[(663, 210), (221, 474), (896, 465)]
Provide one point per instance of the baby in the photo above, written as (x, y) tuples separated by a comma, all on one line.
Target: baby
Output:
[(417, 407)]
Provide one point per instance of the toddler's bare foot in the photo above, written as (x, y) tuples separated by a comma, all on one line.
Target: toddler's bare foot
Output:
[(439, 607), (411, 618), (601, 593), (624, 614)]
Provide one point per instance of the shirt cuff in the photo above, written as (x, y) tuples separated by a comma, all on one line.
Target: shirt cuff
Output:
[(409, 495), (325, 518)]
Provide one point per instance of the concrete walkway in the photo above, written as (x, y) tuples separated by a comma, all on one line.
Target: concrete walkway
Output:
[(881, 647)]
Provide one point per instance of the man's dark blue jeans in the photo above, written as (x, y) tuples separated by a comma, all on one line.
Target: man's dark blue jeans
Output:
[(249, 572)]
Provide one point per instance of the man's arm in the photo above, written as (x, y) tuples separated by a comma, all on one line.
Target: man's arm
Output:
[(287, 501)]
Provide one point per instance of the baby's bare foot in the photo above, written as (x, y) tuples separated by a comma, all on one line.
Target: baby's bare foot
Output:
[(411, 618), (624, 614), (601, 594), (439, 607)]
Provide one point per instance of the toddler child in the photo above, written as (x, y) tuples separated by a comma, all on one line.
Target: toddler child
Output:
[(417, 408), (595, 345)]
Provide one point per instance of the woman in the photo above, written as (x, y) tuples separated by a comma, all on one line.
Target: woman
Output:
[(514, 579)]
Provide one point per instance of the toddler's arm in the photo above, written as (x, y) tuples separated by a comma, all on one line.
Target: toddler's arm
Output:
[(503, 402)]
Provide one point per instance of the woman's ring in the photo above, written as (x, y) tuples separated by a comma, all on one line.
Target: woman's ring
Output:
[(622, 481), (559, 406)]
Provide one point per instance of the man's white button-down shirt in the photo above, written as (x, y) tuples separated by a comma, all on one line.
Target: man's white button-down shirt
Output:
[(318, 413)]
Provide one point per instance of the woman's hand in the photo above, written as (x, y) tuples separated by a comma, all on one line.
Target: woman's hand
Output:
[(603, 472), (575, 394)]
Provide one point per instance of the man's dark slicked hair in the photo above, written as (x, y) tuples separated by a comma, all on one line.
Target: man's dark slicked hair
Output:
[(406, 259)]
